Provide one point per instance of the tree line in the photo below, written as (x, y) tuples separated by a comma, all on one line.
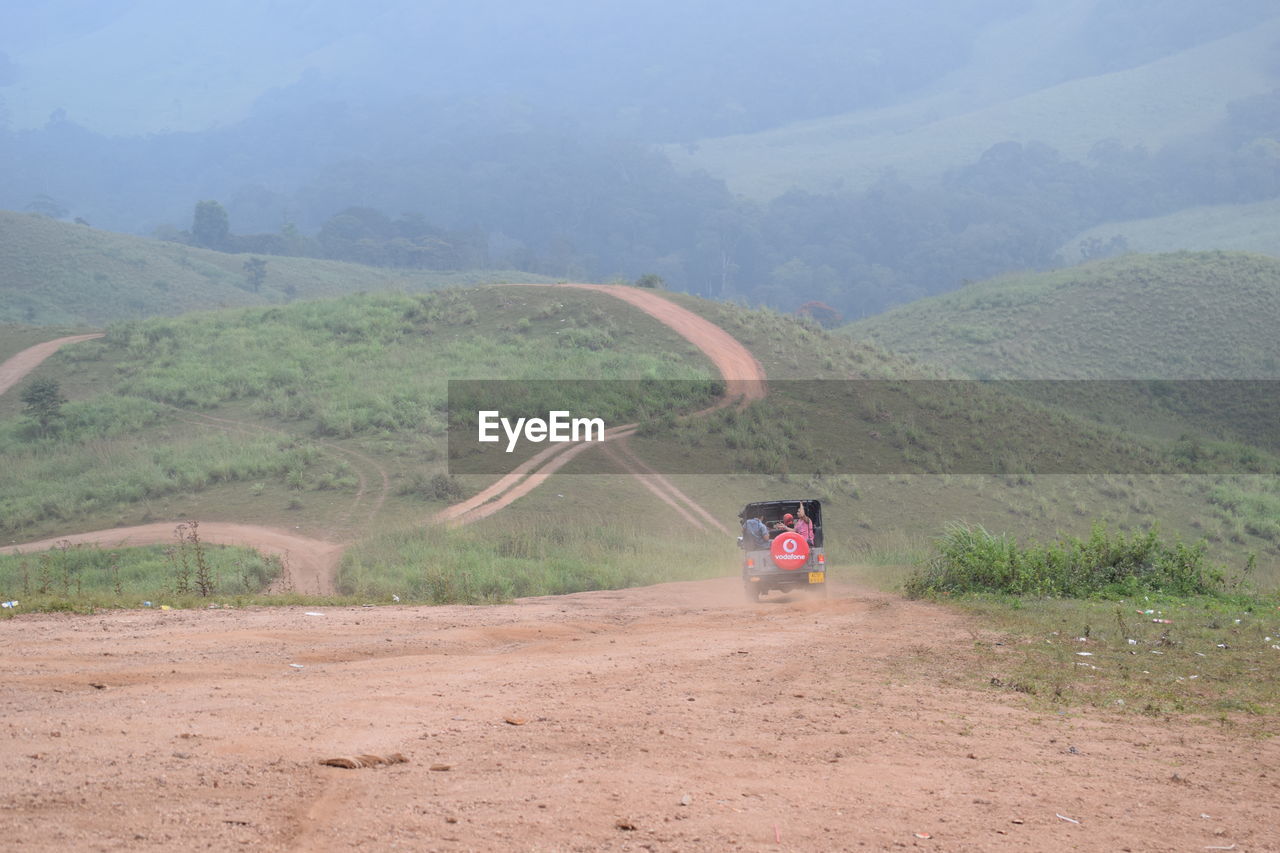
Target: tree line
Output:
[(557, 199), (601, 209)]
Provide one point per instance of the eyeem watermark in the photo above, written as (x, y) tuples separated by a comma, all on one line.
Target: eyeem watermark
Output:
[(558, 427), (871, 426)]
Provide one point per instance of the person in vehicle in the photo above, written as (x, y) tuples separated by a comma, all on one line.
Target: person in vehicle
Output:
[(782, 526), (803, 526), (756, 533)]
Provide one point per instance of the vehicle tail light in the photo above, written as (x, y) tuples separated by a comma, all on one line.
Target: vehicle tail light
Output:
[(751, 564), (822, 558)]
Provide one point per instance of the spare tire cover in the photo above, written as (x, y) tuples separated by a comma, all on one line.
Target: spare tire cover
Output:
[(789, 551)]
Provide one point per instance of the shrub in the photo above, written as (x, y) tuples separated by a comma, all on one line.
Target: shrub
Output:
[(971, 559), (438, 487)]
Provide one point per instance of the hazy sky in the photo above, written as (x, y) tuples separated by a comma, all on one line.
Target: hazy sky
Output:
[(132, 66)]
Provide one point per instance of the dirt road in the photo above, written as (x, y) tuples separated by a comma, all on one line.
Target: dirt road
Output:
[(311, 563), (745, 380), (13, 369), (666, 718)]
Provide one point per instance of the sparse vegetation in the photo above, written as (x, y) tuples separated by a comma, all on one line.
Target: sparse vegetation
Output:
[(1213, 657), (64, 274), (501, 560), (80, 577), (1200, 315)]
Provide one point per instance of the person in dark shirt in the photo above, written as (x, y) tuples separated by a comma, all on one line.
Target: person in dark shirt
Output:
[(755, 534)]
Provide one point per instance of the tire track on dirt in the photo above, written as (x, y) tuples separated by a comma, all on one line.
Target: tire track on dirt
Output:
[(362, 487), (742, 373)]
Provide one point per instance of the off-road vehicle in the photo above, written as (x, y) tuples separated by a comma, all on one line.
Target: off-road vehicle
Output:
[(786, 560)]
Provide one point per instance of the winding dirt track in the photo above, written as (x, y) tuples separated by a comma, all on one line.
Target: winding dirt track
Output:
[(744, 377), (673, 717), (312, 563)]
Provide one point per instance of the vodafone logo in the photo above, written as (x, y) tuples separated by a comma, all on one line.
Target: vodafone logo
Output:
[(789, 551)]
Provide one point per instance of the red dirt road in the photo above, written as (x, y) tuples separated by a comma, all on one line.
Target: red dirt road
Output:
[(312, 563), (666, 718), (743, 374), (13, 369)]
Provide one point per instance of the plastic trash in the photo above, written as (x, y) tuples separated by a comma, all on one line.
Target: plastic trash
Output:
[(312, 613), (395, 597), (1163, 621), (1085, 654), (146, 604), (9, 604), (296, 665), (1067, 819)]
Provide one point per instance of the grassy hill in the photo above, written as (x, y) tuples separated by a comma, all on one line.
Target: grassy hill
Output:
[(1178, 95), (56, 272), (1205, 315), (1232, 227), (328, 417)]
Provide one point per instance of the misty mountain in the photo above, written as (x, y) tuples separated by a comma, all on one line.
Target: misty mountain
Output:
[(523, 135), (658, 71)]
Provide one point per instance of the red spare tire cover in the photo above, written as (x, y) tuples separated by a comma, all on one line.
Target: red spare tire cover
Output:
[(789, 551)]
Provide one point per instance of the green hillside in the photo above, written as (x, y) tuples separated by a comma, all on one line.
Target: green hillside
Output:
[(164, 407), (327, 417), (55, 272), (1207, 315), (1232, 227), (1178, 95)]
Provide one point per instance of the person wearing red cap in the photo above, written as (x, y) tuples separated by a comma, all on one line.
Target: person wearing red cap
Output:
[(784, 525)]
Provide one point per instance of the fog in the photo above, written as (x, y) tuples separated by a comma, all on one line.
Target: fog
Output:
[(609, 140)]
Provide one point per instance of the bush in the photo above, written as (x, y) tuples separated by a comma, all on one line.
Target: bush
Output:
[(970, 559), (438, 487)]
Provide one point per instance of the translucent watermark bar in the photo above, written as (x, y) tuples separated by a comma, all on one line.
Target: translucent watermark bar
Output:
[(869, 426)]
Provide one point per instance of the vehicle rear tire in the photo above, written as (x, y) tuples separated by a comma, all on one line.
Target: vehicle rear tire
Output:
[(752, 591)]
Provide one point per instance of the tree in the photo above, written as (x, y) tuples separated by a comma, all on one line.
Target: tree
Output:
[(42, 399), (47, 206), (211, 226), (255, 272), (651, 280), (822, 313)]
